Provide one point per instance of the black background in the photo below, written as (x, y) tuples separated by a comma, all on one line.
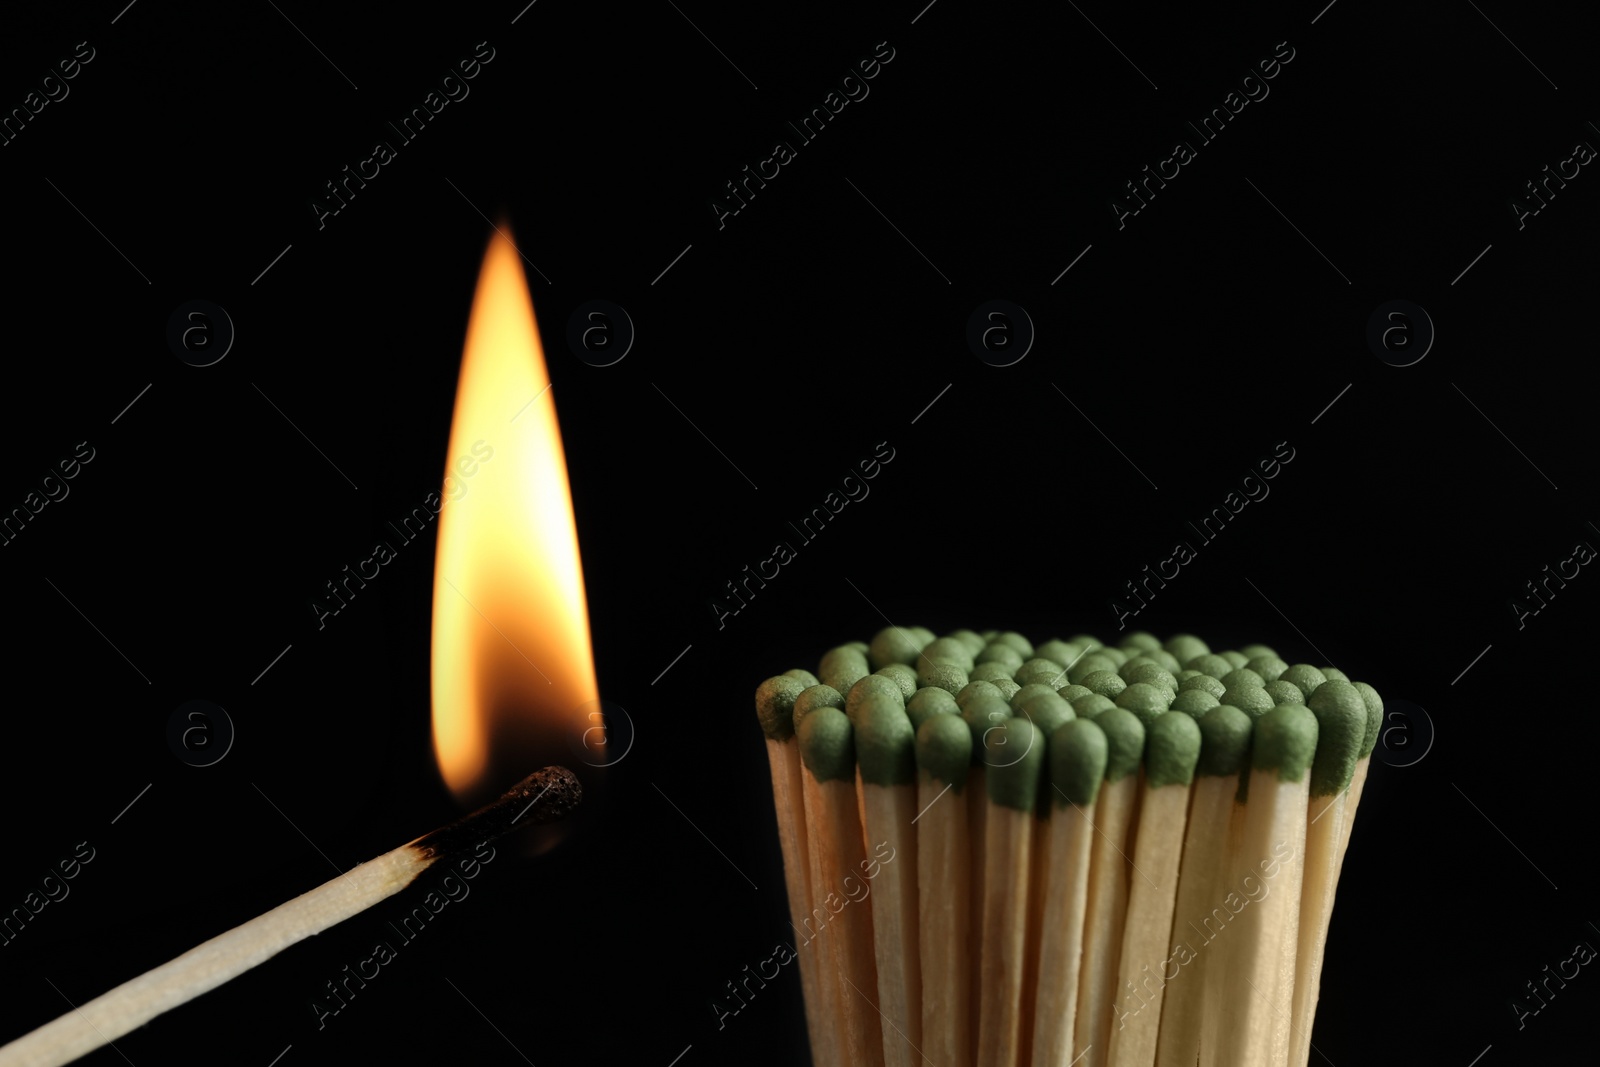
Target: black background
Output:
[(796, 338)]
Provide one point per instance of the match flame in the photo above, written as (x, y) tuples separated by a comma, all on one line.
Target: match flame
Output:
[(513, 673)]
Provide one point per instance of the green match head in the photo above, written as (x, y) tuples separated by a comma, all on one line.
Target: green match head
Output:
[(944, 749), (926, 703), (1304, 677), (921, 634), (1269, 667), (1007, 687), (1187, 673), (1252, 651), (816, 696), (944, 674), (1069, 693), (860, 646), (1059, 651), (1224, 741), (1185, 647), (872, 684), (981, 714), (1040, 669), (1214, 665), (1143, 640), (1077, 753), (1151, 672), (1253, 700), (1166, 660), (892, 644), (903, 676), (1027, 693), (1124, 742), (970, 638), (1013, 756), (1045, 710), (1088, 707), (842, 668), (1194, 702), (1243, 676), (1205, 683), (1335, 672), (993, 670), (973, 689), (1106, 683), (885, 742), (1147, 701), (1285, 741), (945, 650), (1023, 646), (1235, 659), (1091, 662), (1341, 728), (1283, 692), (775, 706), (1117, 656), (804, 677), (999, 652), (1086, 641), (1374, 717), (827, 745), (1171, 749)]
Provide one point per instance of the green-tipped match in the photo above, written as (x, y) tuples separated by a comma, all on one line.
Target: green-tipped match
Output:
[(892, 644), (1148, 670), (1185, 647), (873, 685), (1243, 676), (817, 696), (1283, 692), (1171, 749), (886, 745), (903, 676), (998, 652), (1214, 665), (981, 713), (1269, 667), (1106, 683), (842, 668), (1046, 710), (1253, 700), (1027, 693), (775, 706), (944, 750), (1007, 687), (1145, 700), (1042, 670), (1095, 704), (1088, 664), (975, 688), (1013, 755), (1143, 640), (1062, 652), (992, 671), (1205, 683), (1194, 702), (1224, 741), (1304, 677), (1023, 646), (970, 638), (804, 677), (1335, 672), (1078, 751), (945, 650), (1341, 727), (1124, 742), (1374, 717), (1235, 659), (926, 703), (951, 677), (1252, 651), (827, 746), (1285, 741)]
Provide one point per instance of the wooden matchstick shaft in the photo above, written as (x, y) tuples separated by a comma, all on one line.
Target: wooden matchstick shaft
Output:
[(944, 874), (210, 964), (1061, 951), (896, 936), (1106, 908), (1008, 841), (1316, 911), (787, 790)]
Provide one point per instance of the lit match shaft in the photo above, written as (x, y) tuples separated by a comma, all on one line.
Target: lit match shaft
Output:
[(543, 796)]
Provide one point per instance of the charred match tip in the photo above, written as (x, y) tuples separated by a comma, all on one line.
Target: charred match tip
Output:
[(546, 795)]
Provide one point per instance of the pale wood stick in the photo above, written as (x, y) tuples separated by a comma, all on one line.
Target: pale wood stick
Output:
[(837, 852), (1200, 892), (1222, 988), (977, 823), (1107, 905), (788, 798), (890, 810), (1316, 910), (1066, 893), (542, 797), (1008, 838), (1357, 782), (1288, 886), (944, 869)]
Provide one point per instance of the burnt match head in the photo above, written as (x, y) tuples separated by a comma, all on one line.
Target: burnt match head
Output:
[(546, 795)]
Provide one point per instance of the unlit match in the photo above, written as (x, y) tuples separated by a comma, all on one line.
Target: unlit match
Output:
[(544, 796)]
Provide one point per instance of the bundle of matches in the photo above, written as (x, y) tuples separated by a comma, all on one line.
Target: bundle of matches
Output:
[(1080, 854), (544, 796)]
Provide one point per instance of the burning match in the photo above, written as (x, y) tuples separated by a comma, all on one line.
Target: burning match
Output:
[(544, 796)]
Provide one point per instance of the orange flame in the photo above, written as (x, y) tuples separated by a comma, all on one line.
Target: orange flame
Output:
[(513, 673)]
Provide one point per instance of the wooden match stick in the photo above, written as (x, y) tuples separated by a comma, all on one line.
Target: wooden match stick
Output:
[(1274, 833), (1108, 882), (944, 755), (837, 854), (1359, 779), (1015, 754), (778, 701), (543, 796), (1341, 715), (886, 775), (1077, 756), (1172, 747), (1224, 751)]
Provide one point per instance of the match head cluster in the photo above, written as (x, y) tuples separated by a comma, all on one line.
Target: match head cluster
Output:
[(1048, 723)]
